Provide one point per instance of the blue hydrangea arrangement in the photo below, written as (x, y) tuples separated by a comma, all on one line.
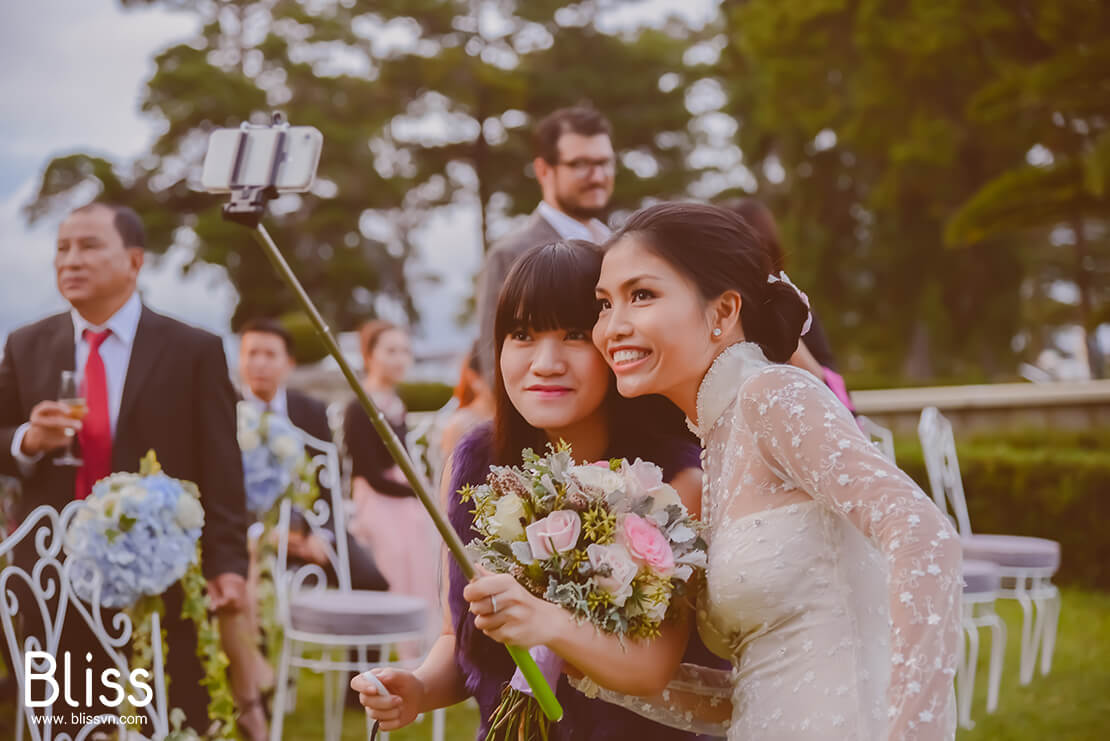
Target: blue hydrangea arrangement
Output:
[(139, 530), (274, 460)]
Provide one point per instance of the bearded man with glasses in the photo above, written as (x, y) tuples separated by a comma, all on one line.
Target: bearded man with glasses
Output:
[(575, 165)]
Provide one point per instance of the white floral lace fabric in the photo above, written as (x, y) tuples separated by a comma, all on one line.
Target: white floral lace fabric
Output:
[(833, 581)]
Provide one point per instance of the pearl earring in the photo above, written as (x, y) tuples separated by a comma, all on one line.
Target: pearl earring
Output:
[(716, 331)]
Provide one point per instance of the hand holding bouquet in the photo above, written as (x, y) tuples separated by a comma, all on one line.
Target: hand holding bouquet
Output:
[(610, 542)]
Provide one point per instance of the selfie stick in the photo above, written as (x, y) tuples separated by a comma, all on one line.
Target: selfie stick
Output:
[(248, 203)]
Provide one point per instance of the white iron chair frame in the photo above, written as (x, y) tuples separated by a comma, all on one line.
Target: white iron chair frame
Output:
[(880, 436), (1032, 588), (53, 578), (978, 612), (312, 578)]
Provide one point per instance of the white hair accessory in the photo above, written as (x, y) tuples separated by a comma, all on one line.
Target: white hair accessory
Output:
[(782, 277)]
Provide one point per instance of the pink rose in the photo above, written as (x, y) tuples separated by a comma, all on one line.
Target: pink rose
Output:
[(646, 479), (556, 533), (646, 544), (642, 477)]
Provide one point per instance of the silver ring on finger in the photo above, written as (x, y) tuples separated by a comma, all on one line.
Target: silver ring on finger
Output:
[(493, 601)]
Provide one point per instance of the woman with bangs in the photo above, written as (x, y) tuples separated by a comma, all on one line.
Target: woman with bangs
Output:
[(552, 384)]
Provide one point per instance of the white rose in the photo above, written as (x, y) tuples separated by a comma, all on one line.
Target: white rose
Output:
[(109, 504), (505, 523), (248, 414), (664, 497), (131, 494), (622, 570), (286, 447), (597, 478), (249, 440), (189, 512)]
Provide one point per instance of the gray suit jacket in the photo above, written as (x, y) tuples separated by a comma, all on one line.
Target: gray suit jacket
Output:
[(536, 232)]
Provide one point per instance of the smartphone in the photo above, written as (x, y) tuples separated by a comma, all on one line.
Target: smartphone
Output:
[(246, 157)]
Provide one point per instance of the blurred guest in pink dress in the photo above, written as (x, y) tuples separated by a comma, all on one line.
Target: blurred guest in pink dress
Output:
[(388, 518)]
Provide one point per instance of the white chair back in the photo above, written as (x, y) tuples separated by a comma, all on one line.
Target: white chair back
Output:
[(332, 507), (425, 438), (938, 447), (46, 594), (882, 438)]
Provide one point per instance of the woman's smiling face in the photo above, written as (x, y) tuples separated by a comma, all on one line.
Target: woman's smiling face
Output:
[(555, 378), (654, 328)]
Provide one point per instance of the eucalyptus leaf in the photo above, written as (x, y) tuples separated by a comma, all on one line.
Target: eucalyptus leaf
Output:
[(522, 552), (641, 506), (682, 533)]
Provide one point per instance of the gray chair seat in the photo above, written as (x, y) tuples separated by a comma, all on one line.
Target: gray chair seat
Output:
[(980, 577), (1013, 551), (356, 613)]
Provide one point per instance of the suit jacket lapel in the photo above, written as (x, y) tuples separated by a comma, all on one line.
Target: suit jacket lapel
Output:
[(60, 356), (145, 351), (542, 230)]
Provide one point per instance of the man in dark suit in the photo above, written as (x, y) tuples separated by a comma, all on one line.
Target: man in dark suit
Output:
[(575, 166), (265, 362), (150, 382)]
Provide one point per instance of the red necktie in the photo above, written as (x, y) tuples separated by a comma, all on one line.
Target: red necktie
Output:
[(96, 428)]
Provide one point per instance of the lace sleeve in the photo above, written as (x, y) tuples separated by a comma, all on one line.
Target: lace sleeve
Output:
[(698, 699), (810, 439)]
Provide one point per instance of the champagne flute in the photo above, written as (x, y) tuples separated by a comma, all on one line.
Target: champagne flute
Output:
[(69, 394)]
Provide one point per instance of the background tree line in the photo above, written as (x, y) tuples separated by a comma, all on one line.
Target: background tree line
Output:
[(940, 170)]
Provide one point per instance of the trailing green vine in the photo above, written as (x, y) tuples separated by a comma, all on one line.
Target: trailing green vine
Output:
[(221, 705)]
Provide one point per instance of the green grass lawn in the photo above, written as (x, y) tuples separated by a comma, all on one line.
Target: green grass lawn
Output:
[(1072, 703)]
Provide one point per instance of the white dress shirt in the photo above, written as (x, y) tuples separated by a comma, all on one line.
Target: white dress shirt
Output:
[(115, 352), (569, 227), (278, 404)]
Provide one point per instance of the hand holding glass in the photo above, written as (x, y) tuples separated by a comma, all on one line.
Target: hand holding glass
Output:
[(69, 393)]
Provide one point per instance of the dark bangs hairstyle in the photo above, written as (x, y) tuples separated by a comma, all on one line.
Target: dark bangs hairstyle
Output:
[(718, 251), (551, 287)]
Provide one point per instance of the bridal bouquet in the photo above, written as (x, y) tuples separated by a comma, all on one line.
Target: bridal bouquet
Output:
[(610, 542), (136, 535), (274, 459)]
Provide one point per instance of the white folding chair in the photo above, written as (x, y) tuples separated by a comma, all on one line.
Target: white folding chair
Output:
[(322, 624), (982, 580), (424, 439), (882, 438), (1026, 564), (47, 592)]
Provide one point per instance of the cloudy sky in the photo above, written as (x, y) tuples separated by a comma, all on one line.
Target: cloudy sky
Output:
[(76, 72)]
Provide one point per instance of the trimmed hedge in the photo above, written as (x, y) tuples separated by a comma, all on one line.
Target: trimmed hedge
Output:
[(308, 348), (1022, 484), (424, 396)]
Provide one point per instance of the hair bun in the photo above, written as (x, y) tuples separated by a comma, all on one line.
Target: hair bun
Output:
[(778, 323)]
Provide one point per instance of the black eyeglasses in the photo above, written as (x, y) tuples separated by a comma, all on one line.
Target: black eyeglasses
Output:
[(582, 167)]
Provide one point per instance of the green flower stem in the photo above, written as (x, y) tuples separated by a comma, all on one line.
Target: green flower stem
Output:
[(543, 692)]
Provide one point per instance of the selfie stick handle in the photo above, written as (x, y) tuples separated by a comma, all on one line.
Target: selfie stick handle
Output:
[(540, 688)]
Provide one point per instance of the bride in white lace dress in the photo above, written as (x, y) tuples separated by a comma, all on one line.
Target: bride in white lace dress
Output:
[(833, 582)]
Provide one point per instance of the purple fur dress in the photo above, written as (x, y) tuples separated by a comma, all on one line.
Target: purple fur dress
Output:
[(485, 664)]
